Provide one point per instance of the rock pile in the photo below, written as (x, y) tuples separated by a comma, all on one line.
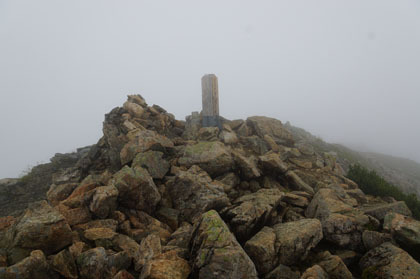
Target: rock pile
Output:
[(159, 198)]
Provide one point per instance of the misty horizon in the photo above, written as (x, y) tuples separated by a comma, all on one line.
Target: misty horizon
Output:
[(346, 72)]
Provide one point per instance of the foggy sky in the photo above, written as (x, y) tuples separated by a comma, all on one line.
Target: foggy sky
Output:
[(348, 71)]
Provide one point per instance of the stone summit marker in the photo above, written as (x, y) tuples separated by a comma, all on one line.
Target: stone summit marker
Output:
[(210, 95)]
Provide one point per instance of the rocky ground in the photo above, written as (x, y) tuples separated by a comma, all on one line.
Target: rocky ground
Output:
[(159, 198)]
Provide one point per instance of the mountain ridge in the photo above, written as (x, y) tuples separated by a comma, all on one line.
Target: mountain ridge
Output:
[(160, 198)]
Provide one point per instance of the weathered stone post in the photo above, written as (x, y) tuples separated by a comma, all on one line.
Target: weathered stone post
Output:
[(210, 95)]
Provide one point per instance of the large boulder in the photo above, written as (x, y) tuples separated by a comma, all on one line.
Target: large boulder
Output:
[(193, 192), (388, 261), (150, 247), (213, 157), (215, 253), (34, 266), (104, 201), (405, 230), (64, 264), (98, 263), (283, 272), (315, 272), (261, 126), (333, 266), (326, 201), (166, 266), (247, 166), (285, 243), (380, 210), (342, 224), (93, 263), (143, 141), (297, 183), (41, 227), (250, 213), (153, 162), (136, 189), (60, 192), (372, 239), (271, 163)]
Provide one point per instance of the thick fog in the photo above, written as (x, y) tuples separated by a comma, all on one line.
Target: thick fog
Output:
[(347, 71)]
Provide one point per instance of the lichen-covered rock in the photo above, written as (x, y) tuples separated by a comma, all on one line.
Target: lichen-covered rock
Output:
[(153, 162), (182, 236), (330, 200), (297, 183), (358, 195), (215, 253), (193, 193), (405, 230), (295, 200), (315, 272), (213, 157), (342, 224), (261, 126), (261, 249), (271, 163), (379, 211), (228, 136), (166, 266), (251, 212), (283, 272), (64, 264), (285, 243), (295, 239), (104, 201), (124, 243), (58, 193), (208, 134), (388, 261), (143, 141), (102, 237), (41, 227), (372, 239), (248, 167), (136, 189), (150, 248), (33, 267), (134, 109), (333, 266), (93, 264), (123, 274), (168, 216), (345, 230)]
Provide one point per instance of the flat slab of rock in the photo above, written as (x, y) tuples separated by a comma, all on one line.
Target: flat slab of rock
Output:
[(193, 192), (215, 252), (388, 261), (380, 210), (213, 157)]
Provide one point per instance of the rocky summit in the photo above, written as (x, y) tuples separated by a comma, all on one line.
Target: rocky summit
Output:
[(160, 198)]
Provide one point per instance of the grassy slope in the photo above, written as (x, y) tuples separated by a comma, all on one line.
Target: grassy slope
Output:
[(401, 172)]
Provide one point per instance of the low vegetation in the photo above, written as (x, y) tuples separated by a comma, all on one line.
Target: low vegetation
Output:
[(373, 184)]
